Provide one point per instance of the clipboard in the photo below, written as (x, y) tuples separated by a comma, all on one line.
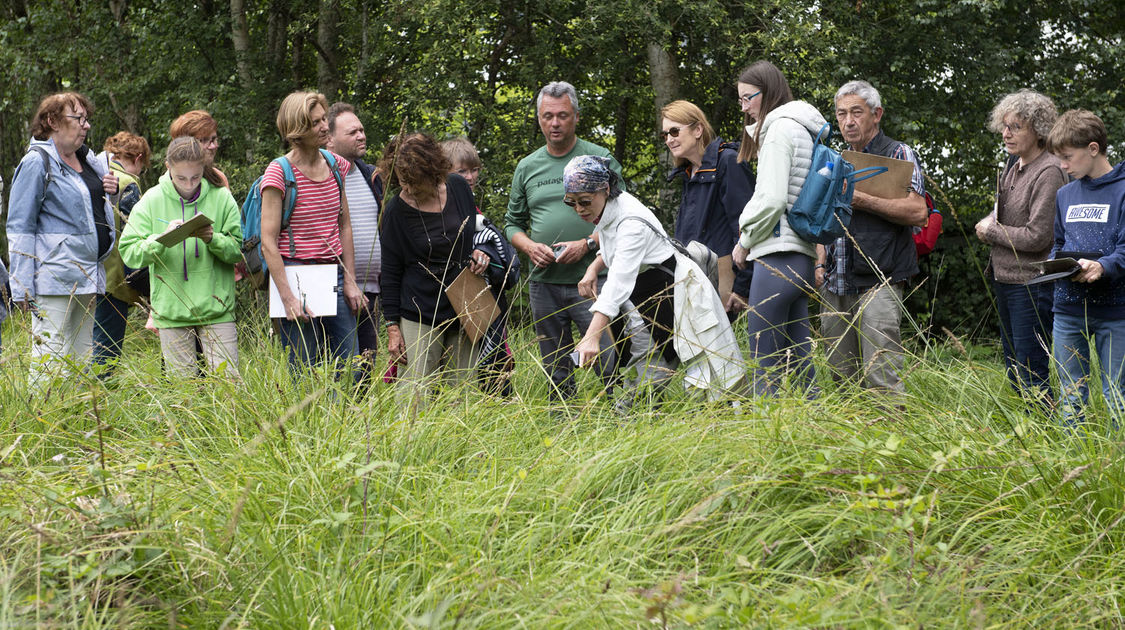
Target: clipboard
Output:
[(314, 285), (893, 184), (180, 233), (472, 300)]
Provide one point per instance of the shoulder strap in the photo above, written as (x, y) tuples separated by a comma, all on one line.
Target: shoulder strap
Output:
[(289, 200), (675, 244), (46, 163), (335, 168), (47, 177), (825, 133)]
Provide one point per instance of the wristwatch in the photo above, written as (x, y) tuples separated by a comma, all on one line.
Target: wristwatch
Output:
[(591, 244)]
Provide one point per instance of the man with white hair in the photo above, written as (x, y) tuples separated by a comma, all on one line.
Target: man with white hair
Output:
[(554, 238), (862, 278)]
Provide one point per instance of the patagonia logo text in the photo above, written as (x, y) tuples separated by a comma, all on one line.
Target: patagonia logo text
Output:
[(1088, 213)]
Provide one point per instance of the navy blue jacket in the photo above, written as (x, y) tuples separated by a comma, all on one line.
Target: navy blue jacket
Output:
[(713, 198), (1090, 218), (375, 182)]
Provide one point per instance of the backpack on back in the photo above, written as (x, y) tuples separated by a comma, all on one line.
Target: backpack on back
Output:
[(823, 209), (252, 213)]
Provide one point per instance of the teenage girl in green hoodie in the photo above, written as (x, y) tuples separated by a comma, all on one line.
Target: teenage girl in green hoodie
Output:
[(192, 282)]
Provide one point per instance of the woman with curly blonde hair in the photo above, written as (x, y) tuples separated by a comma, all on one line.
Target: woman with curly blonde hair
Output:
[(1021, 231)]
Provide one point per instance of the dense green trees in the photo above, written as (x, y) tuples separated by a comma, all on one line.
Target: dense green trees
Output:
[(472, 68)]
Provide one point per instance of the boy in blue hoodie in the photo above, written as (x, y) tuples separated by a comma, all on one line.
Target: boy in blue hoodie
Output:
[(1089, 226)]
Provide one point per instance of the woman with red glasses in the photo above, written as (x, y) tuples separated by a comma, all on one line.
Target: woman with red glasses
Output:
[(200, 125)]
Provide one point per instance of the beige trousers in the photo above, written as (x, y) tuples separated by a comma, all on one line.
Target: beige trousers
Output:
[(426, 347), (62, 330), (218, 341)]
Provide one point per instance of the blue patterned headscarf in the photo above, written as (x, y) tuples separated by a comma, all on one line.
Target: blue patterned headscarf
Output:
[(589, 173)]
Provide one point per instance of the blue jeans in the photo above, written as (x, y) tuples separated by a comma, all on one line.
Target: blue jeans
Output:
[(1025, 333), (334, 337), (1072, 353), (110, 316)]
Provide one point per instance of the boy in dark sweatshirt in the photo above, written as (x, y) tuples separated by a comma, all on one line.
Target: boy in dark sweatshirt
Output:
[(1089, 226)]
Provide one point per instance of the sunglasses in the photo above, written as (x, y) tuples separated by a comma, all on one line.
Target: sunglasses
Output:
[(585, 203), (672, 131)]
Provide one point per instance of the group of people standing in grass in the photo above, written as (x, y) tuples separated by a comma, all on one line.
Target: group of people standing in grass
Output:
[(85, 246)]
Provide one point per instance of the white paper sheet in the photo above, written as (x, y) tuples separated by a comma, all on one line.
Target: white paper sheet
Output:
[(315, 285)]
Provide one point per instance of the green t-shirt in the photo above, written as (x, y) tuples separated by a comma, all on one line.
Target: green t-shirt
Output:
[(535, 207)]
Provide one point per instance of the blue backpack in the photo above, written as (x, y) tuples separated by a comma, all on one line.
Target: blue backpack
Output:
[(823, 209), (252, 212)]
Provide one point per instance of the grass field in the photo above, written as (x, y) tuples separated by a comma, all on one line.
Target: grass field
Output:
[(295, 504)]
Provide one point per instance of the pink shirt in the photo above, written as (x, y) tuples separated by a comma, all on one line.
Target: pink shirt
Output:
[(314, 225)]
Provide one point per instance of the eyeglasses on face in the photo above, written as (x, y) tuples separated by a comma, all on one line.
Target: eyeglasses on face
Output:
[(742, 98), (585, 203), (673, 131), (81, 120), (1012, 128)]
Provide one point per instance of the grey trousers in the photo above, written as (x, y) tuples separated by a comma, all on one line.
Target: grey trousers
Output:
[(864, 336), (555, 307), (778, 320)]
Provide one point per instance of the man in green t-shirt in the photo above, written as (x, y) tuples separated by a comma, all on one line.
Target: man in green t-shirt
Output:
[(554, 238)]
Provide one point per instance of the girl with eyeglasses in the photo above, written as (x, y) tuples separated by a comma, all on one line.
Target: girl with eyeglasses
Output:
[(778, 144)]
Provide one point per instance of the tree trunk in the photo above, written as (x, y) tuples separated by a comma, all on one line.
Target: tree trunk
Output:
[(327, 40), (664, 72), (277, 38), (240, 37)]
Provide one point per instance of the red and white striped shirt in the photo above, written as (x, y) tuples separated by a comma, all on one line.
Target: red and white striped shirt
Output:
[(314, 225)]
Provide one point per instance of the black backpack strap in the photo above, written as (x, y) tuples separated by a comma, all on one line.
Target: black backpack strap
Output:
[(47, 177)]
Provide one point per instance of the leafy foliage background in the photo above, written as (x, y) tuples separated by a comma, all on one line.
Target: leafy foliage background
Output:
[(473, 68)]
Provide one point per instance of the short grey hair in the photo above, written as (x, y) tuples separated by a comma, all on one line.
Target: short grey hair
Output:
[(557, 89), (862, 89), (1030, 107)]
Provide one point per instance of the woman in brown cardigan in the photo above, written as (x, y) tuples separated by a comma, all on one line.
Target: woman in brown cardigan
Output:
[(1021, 231)]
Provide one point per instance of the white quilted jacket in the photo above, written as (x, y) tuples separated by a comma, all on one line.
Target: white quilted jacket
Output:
[(783, 163)]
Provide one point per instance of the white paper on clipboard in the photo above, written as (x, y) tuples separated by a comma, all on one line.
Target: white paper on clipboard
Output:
[(315, 285)]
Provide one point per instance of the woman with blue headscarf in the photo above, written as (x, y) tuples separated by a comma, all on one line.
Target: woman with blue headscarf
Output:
[(678, 304)]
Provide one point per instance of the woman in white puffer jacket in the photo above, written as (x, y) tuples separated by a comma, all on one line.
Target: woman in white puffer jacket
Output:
[(778, 143)]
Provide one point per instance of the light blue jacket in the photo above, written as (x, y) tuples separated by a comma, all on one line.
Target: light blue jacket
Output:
[(52, 243)]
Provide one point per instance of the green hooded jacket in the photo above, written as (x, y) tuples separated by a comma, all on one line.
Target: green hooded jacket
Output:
[(192, 282)]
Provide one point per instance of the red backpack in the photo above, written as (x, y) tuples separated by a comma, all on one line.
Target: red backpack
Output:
[(925, 239)]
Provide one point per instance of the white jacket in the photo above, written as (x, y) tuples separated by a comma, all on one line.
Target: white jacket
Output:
[(702, 335), (626, 246), (784, 158)]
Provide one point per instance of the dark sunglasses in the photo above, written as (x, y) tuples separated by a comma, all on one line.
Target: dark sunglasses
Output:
[(585, 203), (672, 131)]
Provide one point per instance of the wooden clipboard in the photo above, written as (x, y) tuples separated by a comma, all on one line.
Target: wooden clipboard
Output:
[(894, 184), (181, 232), (472, 300)]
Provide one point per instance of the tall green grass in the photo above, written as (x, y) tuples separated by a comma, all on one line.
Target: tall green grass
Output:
[(295, 503)]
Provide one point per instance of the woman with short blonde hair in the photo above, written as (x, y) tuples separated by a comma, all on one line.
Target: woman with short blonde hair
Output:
[(715, 190), (319, 232)]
